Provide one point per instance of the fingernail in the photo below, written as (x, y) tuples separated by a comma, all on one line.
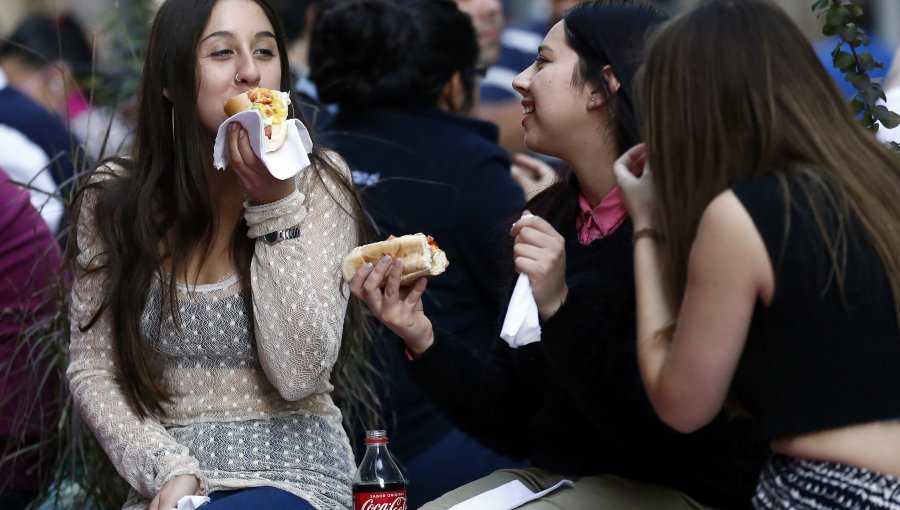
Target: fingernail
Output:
[(367, 267), (398, 263), (241, 134), (386, 259)]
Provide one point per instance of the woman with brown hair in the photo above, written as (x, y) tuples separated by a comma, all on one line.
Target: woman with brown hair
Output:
[(207, 309), (767, 255)]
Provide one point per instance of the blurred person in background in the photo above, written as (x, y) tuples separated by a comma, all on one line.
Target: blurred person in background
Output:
[(404, 75), (487, 20), (50, 59), (29, 266), (36, 151)]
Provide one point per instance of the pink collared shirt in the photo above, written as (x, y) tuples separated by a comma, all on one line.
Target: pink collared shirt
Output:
[(601, 221)]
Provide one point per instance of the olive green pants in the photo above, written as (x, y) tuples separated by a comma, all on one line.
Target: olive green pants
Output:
[(605, 492)]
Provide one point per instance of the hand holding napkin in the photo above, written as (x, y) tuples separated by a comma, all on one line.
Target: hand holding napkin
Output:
[(283, 163), (521, 325), (191, 502)]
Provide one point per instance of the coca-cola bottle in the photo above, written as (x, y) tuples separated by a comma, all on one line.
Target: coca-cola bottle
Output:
[(378, 484)]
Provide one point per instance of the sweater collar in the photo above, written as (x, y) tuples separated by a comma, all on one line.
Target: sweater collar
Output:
[(601, 221)]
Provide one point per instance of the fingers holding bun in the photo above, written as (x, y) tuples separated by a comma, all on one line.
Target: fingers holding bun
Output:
[(272, 106), (420, 254)]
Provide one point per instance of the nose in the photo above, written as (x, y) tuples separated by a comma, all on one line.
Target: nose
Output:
[(523, 80), (247, 72)]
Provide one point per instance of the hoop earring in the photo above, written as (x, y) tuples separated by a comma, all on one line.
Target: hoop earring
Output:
[(291, 113)]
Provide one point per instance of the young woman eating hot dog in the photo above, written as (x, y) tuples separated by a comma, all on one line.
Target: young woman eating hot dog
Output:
[(207, 308)]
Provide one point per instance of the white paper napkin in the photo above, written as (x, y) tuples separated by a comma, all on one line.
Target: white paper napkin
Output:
[(283, 163), (521, 325), (191, 502), (506, 497)]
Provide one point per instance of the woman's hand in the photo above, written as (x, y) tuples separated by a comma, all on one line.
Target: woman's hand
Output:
[(636, 182), (176, 488), (540, 253), (532, 174), (260, 186), (400, 309)]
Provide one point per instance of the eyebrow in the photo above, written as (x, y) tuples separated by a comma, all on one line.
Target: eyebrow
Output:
[(262, 34)]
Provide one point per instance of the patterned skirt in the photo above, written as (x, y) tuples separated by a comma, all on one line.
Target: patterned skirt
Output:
[(800, 484)]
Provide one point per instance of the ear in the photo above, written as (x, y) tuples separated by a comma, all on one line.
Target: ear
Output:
[(453, 95), (597, 97)]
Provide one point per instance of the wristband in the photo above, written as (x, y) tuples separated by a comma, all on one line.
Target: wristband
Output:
[(644, 232), (282, 235)]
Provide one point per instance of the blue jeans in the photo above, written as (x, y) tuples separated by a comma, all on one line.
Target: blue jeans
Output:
[(255, 498)]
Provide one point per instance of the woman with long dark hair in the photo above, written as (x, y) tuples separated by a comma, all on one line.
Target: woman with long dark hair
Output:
[(207, 309), (769, 260), (573, 402)]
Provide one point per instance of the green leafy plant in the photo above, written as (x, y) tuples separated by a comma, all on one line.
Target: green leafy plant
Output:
[(856, 64)]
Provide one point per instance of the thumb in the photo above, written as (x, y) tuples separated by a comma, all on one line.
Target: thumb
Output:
[(623, 175)]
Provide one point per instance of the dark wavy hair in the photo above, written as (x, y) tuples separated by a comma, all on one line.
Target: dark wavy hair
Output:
[(602, 32), (391, 53), (162, 195)]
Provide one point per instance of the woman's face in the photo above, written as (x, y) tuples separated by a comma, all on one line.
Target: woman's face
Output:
[(237, 50), (552, 105)]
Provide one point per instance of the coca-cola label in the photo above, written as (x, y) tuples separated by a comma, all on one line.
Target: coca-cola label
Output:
[(390, 500)]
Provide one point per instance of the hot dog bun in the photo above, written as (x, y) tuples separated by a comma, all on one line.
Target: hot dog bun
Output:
[(272, 107), (419, 253)]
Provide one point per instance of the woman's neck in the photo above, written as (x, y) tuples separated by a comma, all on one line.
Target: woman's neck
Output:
[(593, 167)]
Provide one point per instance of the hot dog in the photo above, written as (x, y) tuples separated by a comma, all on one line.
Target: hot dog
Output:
[(271, 105), (419, 253)]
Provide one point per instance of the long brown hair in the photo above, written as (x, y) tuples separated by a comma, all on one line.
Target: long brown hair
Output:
[(161, 197), (732, 91)]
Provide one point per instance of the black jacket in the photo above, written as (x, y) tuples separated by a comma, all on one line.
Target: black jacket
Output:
[(446, 176), (574, 402)]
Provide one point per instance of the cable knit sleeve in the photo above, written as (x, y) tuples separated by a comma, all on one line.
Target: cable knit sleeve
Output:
[(142, 450), (299, 298)]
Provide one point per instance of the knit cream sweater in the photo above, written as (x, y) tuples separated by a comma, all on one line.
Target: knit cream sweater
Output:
[(248, 369)]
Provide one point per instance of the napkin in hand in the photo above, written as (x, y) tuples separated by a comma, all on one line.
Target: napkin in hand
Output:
[(283, 163), (521, 325), (191, 502)]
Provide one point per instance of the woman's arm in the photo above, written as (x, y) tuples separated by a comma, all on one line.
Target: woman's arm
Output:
[(298, 296), (142, 450), (479, 395), (687, 377)]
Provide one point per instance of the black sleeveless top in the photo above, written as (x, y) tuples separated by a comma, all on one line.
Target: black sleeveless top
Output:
[(815, 358)]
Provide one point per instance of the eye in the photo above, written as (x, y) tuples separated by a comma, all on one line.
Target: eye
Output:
[(221, 53), (265, 53), (540, 60)]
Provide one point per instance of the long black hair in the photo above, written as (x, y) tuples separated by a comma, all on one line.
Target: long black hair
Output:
[(602, 32), (158, 207)]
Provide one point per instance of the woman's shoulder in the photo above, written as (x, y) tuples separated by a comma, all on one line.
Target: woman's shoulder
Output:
[(109, 170)]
